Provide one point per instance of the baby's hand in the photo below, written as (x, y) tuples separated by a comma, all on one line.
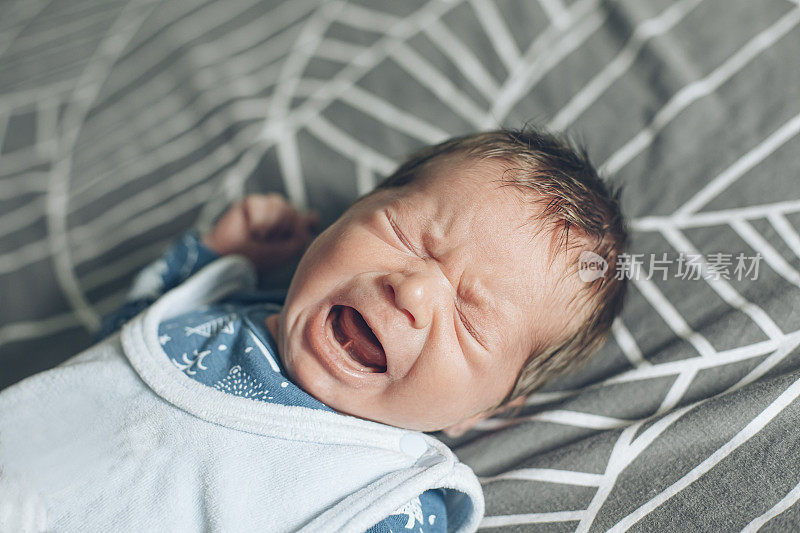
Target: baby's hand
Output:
[(265, 229)]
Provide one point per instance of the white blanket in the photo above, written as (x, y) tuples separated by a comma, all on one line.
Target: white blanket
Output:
[(118, 439)]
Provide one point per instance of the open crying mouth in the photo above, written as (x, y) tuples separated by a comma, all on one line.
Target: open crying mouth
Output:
[(357, 339)]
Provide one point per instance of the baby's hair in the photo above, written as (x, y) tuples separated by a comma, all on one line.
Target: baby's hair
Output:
[(582, 212)]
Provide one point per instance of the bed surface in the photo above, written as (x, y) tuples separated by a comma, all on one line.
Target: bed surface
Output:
[(124, 123)]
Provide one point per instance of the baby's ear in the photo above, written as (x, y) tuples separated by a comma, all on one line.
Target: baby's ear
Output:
[(459, 428)]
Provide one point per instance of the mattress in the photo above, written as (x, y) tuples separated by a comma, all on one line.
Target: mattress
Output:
[(123, 123)]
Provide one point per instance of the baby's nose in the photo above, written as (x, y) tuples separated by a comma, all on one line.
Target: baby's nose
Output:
[(414, 294)]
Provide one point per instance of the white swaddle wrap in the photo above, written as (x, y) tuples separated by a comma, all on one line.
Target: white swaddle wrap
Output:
[(119, 439)]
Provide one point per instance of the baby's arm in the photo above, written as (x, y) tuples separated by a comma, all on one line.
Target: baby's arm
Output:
[(263, 228), (183, 259)]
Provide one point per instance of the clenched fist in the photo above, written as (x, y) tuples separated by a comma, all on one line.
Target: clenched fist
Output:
[(265, 229)]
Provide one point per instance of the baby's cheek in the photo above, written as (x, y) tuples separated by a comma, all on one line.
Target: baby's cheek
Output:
[(321, 263), (343, 246), (454, 382)]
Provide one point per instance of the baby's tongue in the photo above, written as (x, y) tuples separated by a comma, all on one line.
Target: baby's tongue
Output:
[(366, 347)]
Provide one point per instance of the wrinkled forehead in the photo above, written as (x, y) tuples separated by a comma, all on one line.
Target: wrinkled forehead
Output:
[(465, 201), (500, 238), (458, 185), (468, 205)]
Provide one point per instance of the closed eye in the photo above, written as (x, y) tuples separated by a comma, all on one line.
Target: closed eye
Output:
[(472, 331), (400, 235)]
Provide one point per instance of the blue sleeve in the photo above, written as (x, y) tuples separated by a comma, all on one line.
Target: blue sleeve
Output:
[(183, 259), (426, 514)]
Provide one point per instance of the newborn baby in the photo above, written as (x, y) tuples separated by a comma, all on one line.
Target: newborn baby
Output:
[(448, 294)]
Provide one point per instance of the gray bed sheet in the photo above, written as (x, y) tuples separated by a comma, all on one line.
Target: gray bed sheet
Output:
[(125, 122)]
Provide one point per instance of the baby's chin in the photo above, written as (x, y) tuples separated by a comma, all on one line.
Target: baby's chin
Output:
[(395, 421), (304, 370), (353, 402), (382, 414)]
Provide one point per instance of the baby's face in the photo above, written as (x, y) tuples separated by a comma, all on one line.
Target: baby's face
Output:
[(418, 307)]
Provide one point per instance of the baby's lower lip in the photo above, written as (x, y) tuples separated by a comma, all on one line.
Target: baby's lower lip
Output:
[(329, 355)]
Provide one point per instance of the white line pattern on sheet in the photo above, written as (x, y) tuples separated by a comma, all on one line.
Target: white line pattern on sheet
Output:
[(118, 157)]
